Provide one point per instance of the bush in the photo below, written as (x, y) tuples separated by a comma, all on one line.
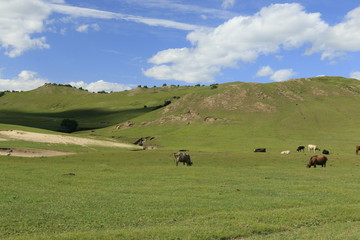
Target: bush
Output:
[(214, 86), (69, 125)]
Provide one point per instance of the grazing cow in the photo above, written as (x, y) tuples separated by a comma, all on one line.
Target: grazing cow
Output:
[(357, 149), (313, 147), (317, 160), (325, 152), (285, 152), (260, 150), (300, 148), (182, 157)]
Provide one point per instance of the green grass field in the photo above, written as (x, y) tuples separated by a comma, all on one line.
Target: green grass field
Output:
[(119, 194), (229, 193)]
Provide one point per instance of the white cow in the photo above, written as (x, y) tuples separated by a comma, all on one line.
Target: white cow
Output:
[(313, 147), (285, 152)]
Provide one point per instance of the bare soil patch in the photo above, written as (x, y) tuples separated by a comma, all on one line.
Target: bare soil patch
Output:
[(60, 139), (27, 152)]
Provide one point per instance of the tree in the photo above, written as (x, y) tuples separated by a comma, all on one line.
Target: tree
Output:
[(69, 125)]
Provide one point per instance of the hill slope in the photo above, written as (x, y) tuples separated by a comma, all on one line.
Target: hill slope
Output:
[(246, 115), (322, 110)]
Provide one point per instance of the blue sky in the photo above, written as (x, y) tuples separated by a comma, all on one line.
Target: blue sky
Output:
[(114, 45)]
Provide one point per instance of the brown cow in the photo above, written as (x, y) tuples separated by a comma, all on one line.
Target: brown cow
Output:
[(317, 160), (357, 149)]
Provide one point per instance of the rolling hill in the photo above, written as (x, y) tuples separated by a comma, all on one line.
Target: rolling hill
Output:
[(323, 110)]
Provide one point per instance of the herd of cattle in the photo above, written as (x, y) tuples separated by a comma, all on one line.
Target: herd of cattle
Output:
[(310, 147), (184, 158)]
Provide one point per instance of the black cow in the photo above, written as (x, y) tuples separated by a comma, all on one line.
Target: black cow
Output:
[(300, 148), (260, 150), (325, 152), (182, 157)]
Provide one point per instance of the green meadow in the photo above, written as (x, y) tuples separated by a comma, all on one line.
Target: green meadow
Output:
[(229, 193)]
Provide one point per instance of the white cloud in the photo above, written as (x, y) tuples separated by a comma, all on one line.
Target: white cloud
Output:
[(227, 3), (24, 81), (101, 86), (178, 7), (282, 75), (93, 13), (241, 39), (265, 71), (28, 80), (345, 36), (355, 75), (244, 38), (277, 76), (86, 27), (20, 19)]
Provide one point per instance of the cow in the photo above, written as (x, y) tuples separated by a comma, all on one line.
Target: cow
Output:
[(182, 157), (260, 150), (313, 147), (300, 148), (285, 152), (326, 152), (357, 149), (317, 160)]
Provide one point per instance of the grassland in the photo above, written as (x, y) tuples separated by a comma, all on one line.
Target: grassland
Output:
[(118, 194), (229, 193)]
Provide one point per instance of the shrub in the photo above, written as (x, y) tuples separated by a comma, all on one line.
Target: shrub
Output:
[(214, 86), (69, 125)]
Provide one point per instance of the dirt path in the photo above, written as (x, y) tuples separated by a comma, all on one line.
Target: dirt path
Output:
[(60, 139)]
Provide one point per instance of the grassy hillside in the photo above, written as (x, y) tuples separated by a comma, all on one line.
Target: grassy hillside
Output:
[(241, 116), (322, 110), (48, 105)]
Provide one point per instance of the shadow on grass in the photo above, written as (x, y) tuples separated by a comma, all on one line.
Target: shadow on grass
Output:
[(87, 118)]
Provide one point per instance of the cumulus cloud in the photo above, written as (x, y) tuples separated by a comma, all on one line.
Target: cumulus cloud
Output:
[(227, 3), (355, 75), (87, 27), (282, 75), (277, 76), (24, 81), (265, 71), (29, 80), (20, 19), (101, 85), (243, 39), (345, 36)]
